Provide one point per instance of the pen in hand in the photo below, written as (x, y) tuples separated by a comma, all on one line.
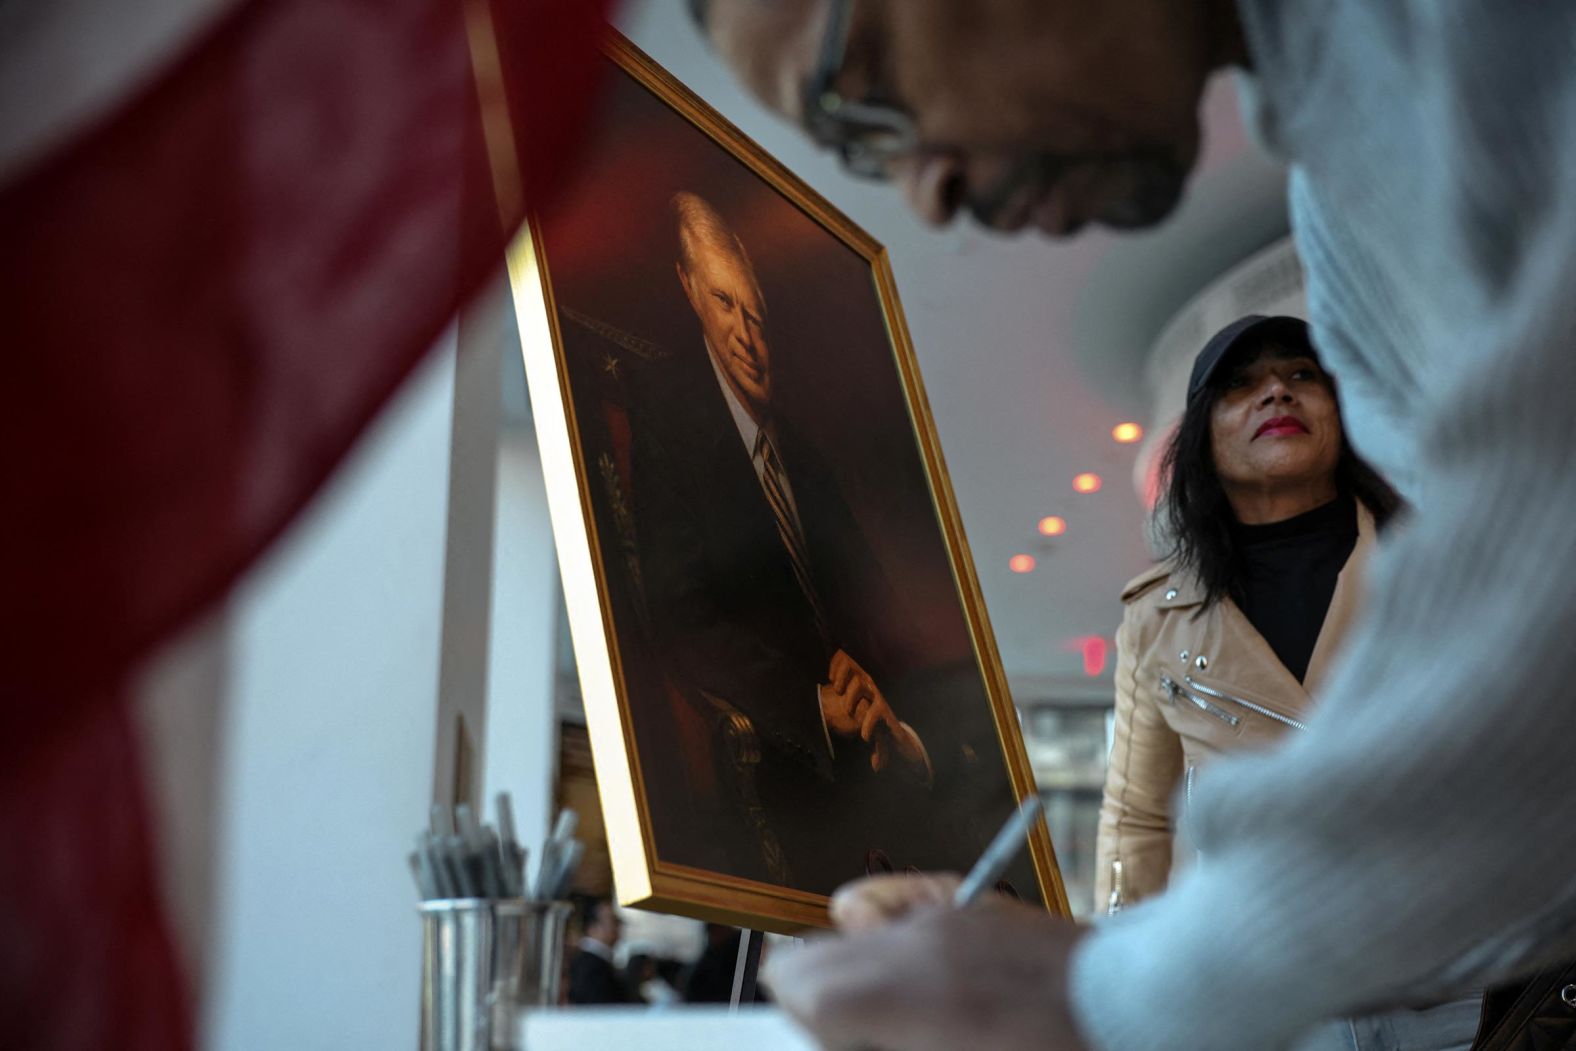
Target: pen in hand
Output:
[(989, 868), (997, 856)]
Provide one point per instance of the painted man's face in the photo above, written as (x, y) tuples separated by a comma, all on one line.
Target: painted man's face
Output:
[(722, 289)]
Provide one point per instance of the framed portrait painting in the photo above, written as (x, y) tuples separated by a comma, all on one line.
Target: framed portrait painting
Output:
[(788, 674)]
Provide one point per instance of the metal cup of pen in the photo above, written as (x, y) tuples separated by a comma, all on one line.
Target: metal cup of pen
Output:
[(492, 940), (483, 962)]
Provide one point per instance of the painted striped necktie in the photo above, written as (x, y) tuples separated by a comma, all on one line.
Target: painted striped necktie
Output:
[(774, 482)]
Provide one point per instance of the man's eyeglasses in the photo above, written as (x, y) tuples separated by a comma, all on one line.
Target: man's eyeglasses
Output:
[(867, 135)]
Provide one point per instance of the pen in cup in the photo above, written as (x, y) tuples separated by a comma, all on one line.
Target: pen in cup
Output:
[(460, 857)]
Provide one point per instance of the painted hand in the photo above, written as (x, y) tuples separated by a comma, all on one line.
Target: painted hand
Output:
[(852, 703)]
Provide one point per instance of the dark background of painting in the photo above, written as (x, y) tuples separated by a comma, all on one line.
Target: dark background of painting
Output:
[(610, 249)]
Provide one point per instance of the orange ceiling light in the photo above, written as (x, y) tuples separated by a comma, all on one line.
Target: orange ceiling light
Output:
[(1021, 563), (1088, 482), (1052, 525), (1127, 433)]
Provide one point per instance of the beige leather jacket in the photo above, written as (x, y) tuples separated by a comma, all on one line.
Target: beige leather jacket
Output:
[(1188, 689)]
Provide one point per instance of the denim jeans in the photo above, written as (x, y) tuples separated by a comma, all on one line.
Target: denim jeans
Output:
[(1449, 1026)]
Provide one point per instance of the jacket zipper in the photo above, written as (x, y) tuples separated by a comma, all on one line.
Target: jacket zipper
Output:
[(1249, 705), (1173, 691), (1114, 905)]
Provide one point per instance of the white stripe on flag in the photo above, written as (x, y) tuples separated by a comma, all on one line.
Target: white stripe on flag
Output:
[(63, 62)]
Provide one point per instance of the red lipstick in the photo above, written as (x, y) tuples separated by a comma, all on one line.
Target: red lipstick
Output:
[(1277, 426)]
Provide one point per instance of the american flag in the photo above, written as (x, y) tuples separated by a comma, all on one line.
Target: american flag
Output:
[(228, 231)]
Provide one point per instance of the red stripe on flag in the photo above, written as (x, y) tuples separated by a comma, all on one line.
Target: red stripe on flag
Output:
[(87, 962)]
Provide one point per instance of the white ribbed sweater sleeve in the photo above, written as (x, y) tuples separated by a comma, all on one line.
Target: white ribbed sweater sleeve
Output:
[(1423, 831)]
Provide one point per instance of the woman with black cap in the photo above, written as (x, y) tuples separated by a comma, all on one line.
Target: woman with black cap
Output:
[(1269, 518)]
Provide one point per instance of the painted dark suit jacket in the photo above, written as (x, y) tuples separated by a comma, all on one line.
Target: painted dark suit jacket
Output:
[(730, 618), (705, 598), (725, 603)]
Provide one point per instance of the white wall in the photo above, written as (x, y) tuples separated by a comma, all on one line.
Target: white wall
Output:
[(502, 622), (468, 564), (522, 732), (501, 587), (333, 648), (181, 717)]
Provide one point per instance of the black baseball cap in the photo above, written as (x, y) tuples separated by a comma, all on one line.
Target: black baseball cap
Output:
[(1289, 332)]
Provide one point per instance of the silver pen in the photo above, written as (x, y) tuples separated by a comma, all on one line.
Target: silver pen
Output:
[(989, 868)]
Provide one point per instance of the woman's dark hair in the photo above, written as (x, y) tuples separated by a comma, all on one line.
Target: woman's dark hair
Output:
[(1195, 514)]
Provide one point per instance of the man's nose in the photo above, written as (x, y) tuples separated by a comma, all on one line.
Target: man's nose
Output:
[(934, 184)]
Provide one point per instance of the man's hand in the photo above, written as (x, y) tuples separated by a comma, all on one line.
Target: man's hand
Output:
[(851, 703), (937, 979), (876, 901)]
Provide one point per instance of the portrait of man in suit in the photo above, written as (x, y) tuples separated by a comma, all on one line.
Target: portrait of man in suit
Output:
[(787, 670), (761, 586)]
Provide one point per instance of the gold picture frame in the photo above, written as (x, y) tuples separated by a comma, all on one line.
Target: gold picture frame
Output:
[(687, 774)]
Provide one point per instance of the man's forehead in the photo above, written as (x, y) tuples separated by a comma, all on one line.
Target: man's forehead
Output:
[(770, 44)]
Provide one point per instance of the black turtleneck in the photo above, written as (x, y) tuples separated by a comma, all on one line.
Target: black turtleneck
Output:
[(1289, 570)]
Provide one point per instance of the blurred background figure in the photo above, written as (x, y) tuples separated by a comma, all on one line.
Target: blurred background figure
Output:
[(643, 977), (593, 979)]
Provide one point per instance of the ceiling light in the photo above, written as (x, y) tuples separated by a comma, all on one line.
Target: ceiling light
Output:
[(1127, 433), (1088, 482), (1053, 525), (1021, 563)]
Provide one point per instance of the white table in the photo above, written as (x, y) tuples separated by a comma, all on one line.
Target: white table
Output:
[(664, 1029)]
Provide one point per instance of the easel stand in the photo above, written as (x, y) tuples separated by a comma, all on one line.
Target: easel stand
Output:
[(745, 970)]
